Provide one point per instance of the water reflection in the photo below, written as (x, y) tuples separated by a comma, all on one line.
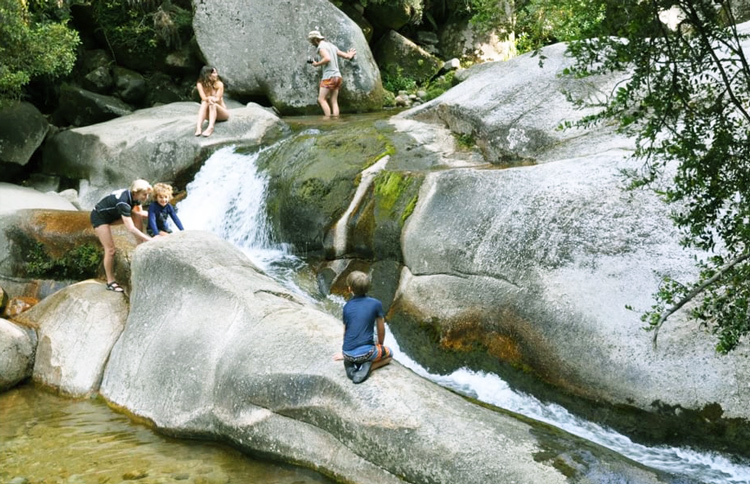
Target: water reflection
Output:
[(49, 439)]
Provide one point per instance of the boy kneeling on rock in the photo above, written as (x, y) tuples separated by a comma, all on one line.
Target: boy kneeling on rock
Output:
[(360, 353)]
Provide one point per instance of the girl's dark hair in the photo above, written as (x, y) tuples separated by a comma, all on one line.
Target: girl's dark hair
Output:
[(205, 78)]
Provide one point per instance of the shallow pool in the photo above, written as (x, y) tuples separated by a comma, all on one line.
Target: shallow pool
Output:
[(48, 439)]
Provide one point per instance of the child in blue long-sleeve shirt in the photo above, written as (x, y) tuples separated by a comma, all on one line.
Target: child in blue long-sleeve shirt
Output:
[(160, 210)]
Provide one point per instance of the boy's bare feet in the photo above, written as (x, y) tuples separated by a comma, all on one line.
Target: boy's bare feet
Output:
[(208, 132), (197, 132)]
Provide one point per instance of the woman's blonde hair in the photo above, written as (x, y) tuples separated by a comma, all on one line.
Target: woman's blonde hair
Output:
[(140, 186), (163, 189)]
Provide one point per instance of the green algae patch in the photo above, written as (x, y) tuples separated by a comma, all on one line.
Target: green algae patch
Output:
[(313, 176), (396, 194)]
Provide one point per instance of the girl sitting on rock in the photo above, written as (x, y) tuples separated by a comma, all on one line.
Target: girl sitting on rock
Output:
[(211, 90), (119, 207)]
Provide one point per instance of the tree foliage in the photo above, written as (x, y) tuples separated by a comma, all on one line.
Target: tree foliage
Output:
[(686, 102), (35, 42), (544, 22)]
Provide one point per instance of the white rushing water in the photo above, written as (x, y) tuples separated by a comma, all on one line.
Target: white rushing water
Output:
[(227, 197)]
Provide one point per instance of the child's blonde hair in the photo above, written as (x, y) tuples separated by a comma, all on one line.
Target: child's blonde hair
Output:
[(163, 189), (358, 282)]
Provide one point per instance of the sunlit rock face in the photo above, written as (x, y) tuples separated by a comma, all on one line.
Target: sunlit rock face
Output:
[(536, 264), (235, 356), (513, 110), (76, 327), (156, 144), (267, 52)]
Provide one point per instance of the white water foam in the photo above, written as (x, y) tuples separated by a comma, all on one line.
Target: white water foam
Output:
[(227, 197), (710, 468)]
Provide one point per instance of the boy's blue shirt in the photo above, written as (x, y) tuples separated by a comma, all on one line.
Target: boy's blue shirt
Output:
[(360, 314)]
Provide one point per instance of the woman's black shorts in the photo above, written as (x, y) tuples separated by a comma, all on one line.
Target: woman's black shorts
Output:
[(98, 219)]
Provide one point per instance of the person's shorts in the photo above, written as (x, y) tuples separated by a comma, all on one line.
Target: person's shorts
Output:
[(98, 219), (331, 83), (372, 353)]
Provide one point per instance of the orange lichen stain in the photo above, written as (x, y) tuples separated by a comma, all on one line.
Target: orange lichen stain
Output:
[(61, 222), (17, 305), (504, 348), (471, 333)]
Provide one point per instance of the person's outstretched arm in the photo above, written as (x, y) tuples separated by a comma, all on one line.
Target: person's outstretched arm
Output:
[(172, 213), (348, 54), (152, 220), (128, 222)]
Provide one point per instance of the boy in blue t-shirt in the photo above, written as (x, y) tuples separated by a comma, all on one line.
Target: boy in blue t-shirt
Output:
[(360, 353)]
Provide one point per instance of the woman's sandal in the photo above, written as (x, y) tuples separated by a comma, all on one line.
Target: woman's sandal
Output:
[(113, 286)]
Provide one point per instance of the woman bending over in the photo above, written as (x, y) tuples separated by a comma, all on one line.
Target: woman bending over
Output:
[(119, 207)]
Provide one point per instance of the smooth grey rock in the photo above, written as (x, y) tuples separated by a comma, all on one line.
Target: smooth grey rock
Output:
[(550, 255), (513, 110), (71, 195), (266, 53), (225, 360), (155, 144), (22, 130), (14, 197), (17, 346), (77, 328)]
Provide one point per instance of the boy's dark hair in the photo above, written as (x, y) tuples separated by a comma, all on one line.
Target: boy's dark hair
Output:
[(358, 282)]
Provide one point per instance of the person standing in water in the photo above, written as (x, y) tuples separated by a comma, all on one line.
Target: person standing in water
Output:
[(213, 109), (331, 81)]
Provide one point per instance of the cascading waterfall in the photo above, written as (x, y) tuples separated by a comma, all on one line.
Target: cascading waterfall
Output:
[(227, 197)]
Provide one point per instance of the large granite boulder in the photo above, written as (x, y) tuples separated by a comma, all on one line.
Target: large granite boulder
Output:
[(266, 52), (237, 357), (56, 245), (536, 266), (17, 346), (22, 130), (513, 110), (77, 328), (156, 144)]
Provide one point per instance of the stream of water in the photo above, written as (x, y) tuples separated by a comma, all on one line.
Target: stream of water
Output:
[(235, 213)]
